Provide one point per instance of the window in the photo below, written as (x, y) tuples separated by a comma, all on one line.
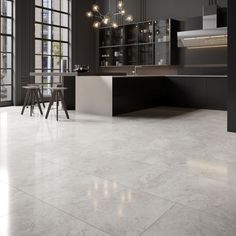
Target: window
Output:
[(52, 40), (6, 55)]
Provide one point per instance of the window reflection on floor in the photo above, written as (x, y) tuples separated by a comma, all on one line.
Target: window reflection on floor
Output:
[(4, 188)]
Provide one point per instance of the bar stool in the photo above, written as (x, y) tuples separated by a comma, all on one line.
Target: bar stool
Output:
[(30, 98), (57, 96), (39, 93)]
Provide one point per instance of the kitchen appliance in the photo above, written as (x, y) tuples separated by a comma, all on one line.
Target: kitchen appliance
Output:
[(212, 34)]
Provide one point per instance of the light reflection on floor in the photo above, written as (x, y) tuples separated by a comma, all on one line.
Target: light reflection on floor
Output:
[(4, 188)]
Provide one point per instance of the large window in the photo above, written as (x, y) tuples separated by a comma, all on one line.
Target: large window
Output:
[(6, 57), (52, 39)]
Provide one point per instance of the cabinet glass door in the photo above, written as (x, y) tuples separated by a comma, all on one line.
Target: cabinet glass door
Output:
[(162, 42)]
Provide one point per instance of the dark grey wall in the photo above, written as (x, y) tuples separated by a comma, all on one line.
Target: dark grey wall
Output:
[(24, 46), (83, 35), (231, 67)]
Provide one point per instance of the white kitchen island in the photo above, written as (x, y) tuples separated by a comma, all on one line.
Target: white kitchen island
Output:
[(94, 95)]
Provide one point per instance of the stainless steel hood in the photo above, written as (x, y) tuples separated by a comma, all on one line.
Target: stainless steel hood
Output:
[(203, 38), (210, 36)]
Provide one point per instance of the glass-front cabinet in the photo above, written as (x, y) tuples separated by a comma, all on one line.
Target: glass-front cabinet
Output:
[(145, 43), (162, 42)]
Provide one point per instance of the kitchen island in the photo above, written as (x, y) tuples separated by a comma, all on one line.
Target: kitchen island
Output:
[(115, 95)]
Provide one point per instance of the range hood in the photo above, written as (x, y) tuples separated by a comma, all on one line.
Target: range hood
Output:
[(211, 35)]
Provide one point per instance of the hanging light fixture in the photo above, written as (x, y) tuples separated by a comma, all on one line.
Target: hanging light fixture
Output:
[(108, 18)]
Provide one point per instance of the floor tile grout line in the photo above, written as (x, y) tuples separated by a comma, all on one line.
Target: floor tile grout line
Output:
[(58, 209), (159, 218)]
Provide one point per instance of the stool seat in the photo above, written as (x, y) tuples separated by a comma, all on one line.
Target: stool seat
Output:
[(30, 87), (58, 88), (57, 96)]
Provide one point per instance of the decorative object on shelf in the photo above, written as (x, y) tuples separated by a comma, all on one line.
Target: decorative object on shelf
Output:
[(81, 68), (108, 19)]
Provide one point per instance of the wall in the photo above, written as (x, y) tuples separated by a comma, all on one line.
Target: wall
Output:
[(24, 46), (232, 65)]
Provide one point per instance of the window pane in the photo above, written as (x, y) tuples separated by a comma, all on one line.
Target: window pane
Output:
[(6, 8), (64, 20), (6, 60), (38, 30), (47, 16), (65, 48), (38, 2), (56, 33), (38, 62), (56, 18), (47, 32), (38, 46), (38, 79), (47, 63), (56, 63), (64, 5), (56, 79), (47, 3), (6, 77), (38, 14), (64, 35), (56, 48), (47, 47), (56, 5), (6, 26), (5, 93), (6, 44)]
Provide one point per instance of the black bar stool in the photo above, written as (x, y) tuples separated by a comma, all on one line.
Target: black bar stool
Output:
[(39, 92), (57, 96), (30, 99)]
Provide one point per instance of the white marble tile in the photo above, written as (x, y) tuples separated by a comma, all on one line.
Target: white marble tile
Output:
[(184, 221), (40, 219), (211, 196)]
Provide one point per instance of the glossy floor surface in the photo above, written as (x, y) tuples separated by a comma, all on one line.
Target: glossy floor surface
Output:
[(160, 172)]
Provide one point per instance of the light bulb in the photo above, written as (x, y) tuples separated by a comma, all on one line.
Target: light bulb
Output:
[(105, 20), (120, 4), (95, 8), (129, 18), (96, 24), (114, 25), (122, 12), (89, 14)]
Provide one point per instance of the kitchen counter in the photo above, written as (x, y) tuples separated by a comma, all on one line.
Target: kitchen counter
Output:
[(119, 94), (179, 76)]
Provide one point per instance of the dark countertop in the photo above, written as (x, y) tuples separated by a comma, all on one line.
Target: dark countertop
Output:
[(181, 76)]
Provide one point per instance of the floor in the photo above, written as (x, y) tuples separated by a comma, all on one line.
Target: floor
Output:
[(160, 172)]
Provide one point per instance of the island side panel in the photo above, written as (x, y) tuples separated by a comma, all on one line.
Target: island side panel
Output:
[(136, 93), (94, 95)]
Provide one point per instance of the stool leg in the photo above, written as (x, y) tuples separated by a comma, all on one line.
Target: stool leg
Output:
[(64, 104), (37, 100), (32, 102), (41, 97), (25, 102), (57, 99), (50, 104)]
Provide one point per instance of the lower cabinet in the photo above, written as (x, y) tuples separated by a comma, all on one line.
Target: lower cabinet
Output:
[(196, 92)]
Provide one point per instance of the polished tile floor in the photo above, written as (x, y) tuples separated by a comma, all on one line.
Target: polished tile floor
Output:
[(160, 172)]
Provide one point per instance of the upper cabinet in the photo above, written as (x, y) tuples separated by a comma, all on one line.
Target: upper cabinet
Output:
[(145, 43)]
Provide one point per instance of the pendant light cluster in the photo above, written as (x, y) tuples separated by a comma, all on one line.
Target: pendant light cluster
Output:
[(108, 18)]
